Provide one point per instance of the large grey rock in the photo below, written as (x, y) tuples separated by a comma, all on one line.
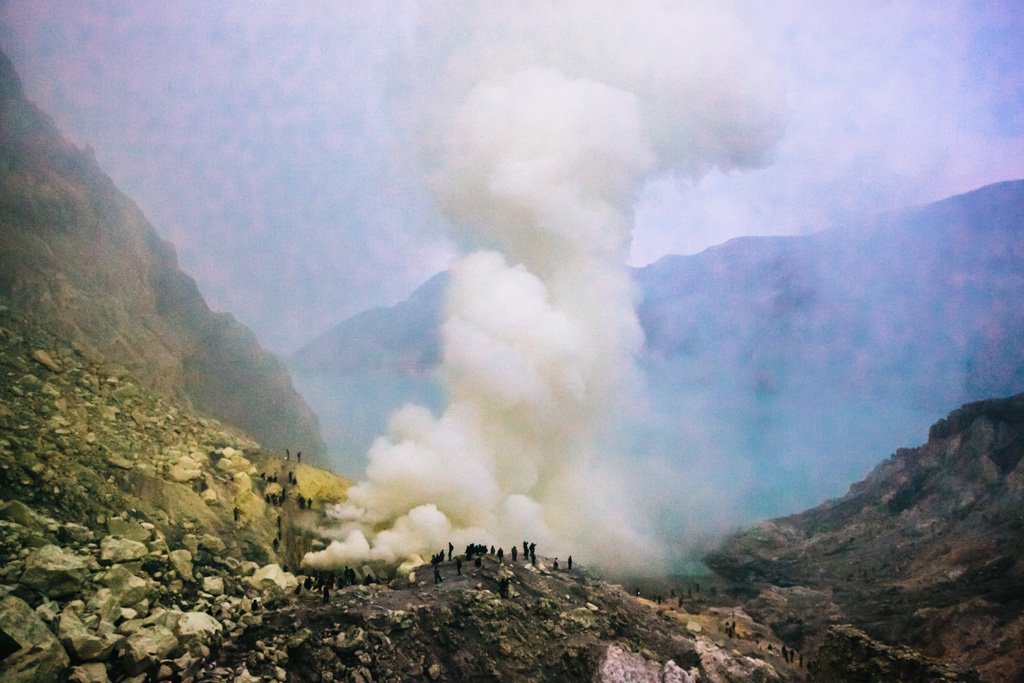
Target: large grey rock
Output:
[(40, 658), (181, 560), (114, 549), (195, 630), (273, 580), (103, 604), (85, 645), (622, 665), (125, 587), (133, 531), (54, 572), (212, 543), (19, 513), (144, 649)]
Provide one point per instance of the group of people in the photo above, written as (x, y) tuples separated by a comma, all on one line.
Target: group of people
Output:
[(476, 552), (325, 582)]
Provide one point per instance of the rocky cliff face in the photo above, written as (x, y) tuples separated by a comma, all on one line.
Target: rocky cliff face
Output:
[(132, 529), (79, 256), (927, 551)]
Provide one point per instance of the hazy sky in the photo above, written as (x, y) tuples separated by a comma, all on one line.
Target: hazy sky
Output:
[(273, 144)]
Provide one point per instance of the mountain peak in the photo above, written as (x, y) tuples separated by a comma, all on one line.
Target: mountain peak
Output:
[(10, 82)]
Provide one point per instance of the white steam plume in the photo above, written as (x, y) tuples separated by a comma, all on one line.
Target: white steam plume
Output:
[(543, 126)]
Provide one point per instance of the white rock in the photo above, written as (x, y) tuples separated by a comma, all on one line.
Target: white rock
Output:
[(272, 577), (214, 585)]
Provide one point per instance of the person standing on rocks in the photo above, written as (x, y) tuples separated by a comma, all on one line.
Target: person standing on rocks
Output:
[(437, 575), (458, 566), (570, 563), (451, 549), (514, 553), (501, 554)]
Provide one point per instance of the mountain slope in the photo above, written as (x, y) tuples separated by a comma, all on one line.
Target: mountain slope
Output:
[(927, 551), (781, 367), (79, 256)]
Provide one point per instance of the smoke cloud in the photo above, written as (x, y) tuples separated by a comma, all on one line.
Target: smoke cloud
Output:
[(540, 127)]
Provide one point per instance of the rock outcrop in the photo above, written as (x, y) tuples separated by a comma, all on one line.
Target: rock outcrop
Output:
[(80, 257), (848, 655), (927, 551)]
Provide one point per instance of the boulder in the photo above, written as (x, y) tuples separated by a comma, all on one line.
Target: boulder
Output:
[(19, 513), (115, 549), (848, 654), (54, 572), (144, 648), (622, 665), (39, 656), (81, 643), (103, 604), (212, 544), (271, 578), (46, 360), (125, 587), (195, 630), (188, 468), (214, 585), (181, 560), (132, 531), (93, 672)]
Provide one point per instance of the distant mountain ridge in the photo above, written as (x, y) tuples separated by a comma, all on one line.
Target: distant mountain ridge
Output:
[(78, 256), (802, 360)]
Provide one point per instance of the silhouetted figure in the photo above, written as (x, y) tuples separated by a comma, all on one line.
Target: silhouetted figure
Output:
[(501, 555), (309, 582), (458, 566), (451, 549), (235, 512), (302, 503), (514, 552), (478, 562), (533, 559), (298, 456), (533, 549), (503, 587), (492, 550), (555, 565), (569, 563), (287, 454), (526, 549), (437, 574)]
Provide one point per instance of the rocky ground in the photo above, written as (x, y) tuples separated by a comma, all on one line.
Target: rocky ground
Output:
[(927, 551), (141, 541)]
